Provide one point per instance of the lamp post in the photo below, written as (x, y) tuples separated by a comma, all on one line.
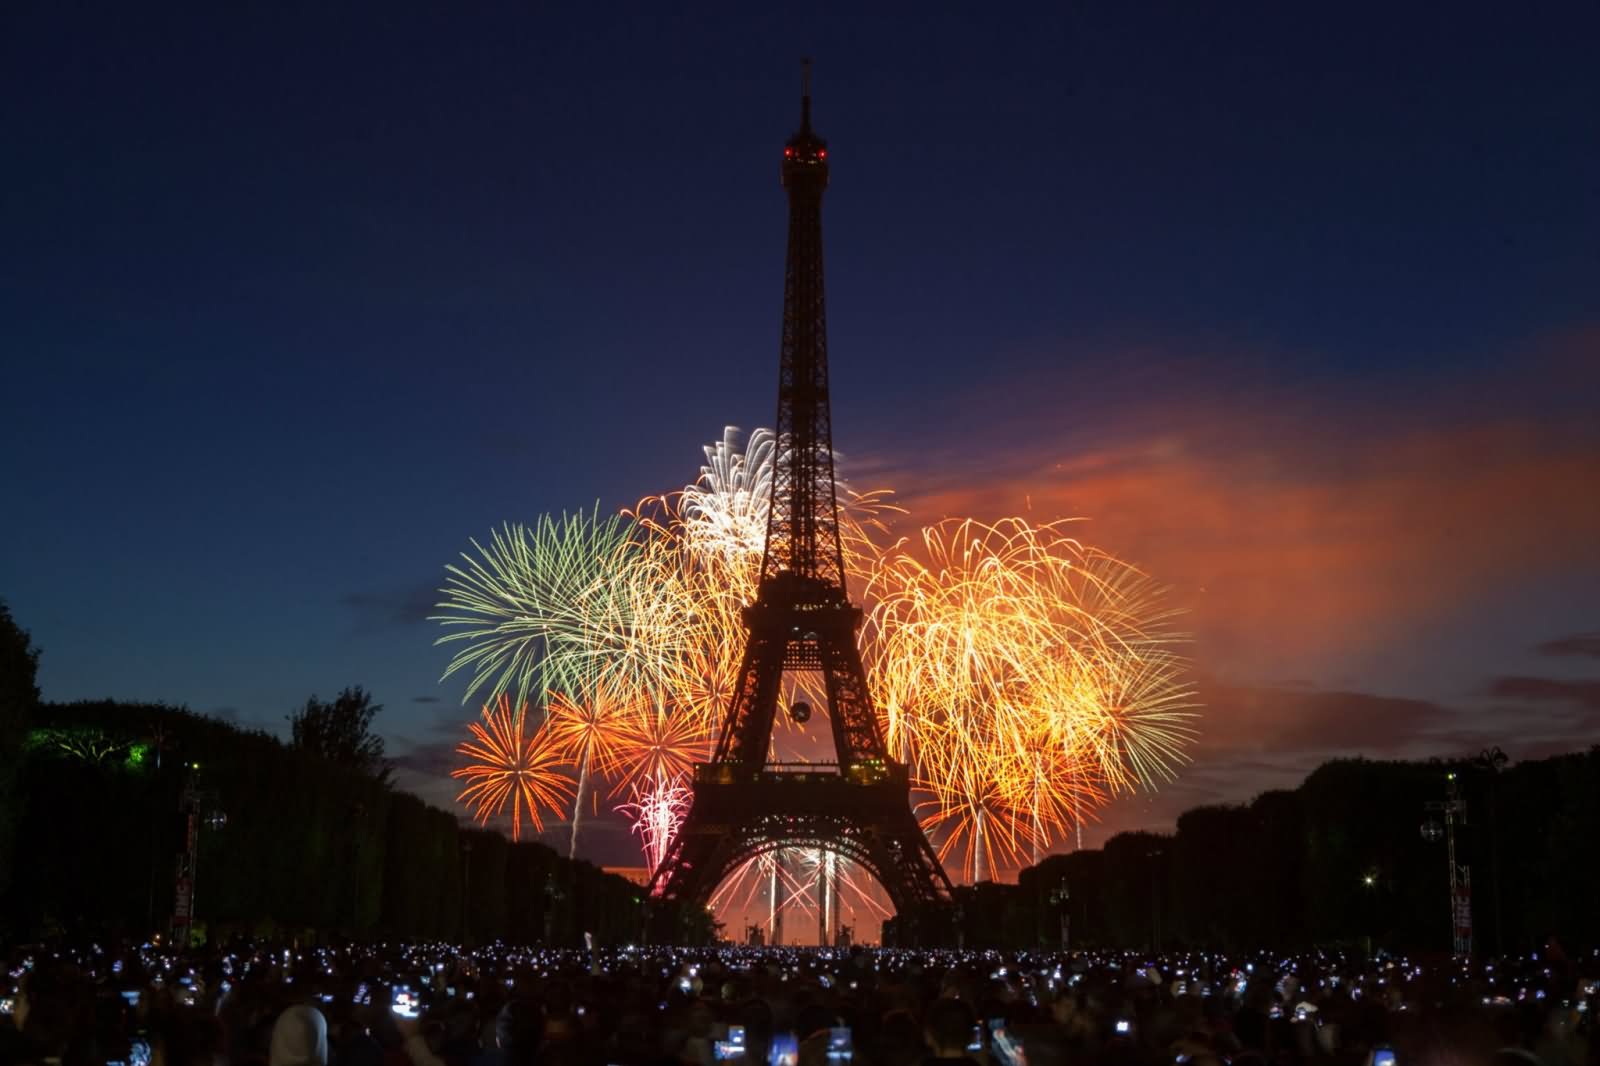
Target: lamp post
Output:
[(466, 890), (1061, 900), (1155, 899), (1369, 881), (552, 896), (199, 810), (358, 811), (1453, 807), (1494, 761)]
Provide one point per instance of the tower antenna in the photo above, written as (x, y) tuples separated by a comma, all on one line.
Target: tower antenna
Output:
[(805, 93)]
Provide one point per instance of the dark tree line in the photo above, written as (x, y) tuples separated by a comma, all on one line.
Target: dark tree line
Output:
[(309, 846), (313, 842), (1339, 860)]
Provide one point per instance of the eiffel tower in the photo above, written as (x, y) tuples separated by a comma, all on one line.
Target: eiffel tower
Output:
[(803, 620)]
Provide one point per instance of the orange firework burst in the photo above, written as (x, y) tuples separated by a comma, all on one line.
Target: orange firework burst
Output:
[(511, 768), (1026, 678), (658, 746)]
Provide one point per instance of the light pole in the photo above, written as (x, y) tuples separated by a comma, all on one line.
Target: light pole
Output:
[(199, 809), (1061, 899), (1494, 760), (1155, 899), (466, 890), (1369, 881), (1452, 807)]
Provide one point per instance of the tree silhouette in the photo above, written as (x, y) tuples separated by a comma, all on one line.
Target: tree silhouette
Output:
[(19, 694), (341, 732)]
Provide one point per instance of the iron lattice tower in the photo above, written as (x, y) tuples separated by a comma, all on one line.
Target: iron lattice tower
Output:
[(803, 620)]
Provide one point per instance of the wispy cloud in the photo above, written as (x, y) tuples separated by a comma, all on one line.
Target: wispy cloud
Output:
[(1548, 690), (393, 607), (1578, 644)]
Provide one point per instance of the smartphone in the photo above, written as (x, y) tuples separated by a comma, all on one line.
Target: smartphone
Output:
[(1123, 1027), (1383, 1056), (1007, 1052), (685, 985), (362, 995), (8, 1005), (405, 1003), (139, 1052), (976, 1043), (724, 1050), (839, 1044), (132, 996), (785, 1050)]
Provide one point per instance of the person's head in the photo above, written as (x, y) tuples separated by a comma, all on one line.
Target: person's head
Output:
[(299, 1038), (187, 1036), (519, 1029), (814, 1017), (899, 1039), (947, 1028)]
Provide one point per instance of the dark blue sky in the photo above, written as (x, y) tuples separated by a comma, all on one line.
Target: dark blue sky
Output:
[(294, 301)]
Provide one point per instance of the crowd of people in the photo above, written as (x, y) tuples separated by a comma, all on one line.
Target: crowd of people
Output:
[(436, 1005)]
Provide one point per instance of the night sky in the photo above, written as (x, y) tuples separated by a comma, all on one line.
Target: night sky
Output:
[(1299, 307)]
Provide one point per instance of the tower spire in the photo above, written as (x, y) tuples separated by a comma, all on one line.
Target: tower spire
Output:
[(805, 95)]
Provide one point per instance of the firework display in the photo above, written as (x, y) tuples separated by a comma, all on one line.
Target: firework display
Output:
[(510, 768), (1026, 678), (535, 608)]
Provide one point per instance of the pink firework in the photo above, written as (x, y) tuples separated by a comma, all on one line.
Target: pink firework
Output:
[(656, 813)]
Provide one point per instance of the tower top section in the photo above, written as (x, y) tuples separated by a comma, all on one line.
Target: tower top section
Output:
[(805, 157)]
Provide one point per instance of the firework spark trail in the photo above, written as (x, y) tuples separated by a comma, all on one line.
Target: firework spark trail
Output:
[(512, 768)]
